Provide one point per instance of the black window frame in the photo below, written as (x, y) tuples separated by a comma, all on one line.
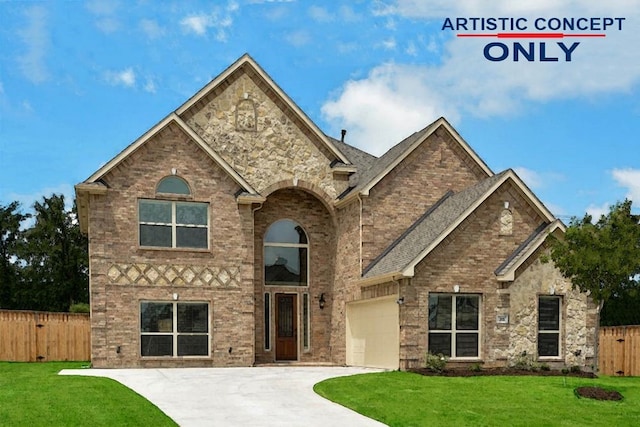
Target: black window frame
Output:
[(549, 325), (156, 332), (447, 329)]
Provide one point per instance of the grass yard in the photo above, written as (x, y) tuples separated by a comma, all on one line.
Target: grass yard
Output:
[(33, 394), (408, 399)]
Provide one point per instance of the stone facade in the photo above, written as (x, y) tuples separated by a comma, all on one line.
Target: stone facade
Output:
[(271, 163)]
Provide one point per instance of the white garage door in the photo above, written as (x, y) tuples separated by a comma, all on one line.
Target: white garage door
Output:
[(373, 333)]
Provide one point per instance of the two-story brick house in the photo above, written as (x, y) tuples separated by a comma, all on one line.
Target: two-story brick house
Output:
[(235, 232)]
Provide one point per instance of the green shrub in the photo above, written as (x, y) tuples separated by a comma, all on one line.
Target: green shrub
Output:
[(575, 369), (476, 367), (525, 362), (80, 307), (435, 362)]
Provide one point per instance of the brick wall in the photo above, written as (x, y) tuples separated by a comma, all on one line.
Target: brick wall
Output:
[(468, 257), (438, 165), (122, 274)]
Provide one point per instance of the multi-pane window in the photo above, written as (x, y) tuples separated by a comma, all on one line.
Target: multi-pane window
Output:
[(174, 329), (286, 254), (171, 224), (549, 326), (454, 325)]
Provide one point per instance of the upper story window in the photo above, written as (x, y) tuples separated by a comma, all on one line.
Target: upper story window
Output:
[(173, 185), (173, 224), (286, 254)]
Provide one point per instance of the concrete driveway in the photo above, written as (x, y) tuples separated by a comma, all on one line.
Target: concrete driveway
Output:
[(262, 396)]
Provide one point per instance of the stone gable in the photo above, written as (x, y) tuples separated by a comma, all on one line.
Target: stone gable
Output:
[(261, 138)]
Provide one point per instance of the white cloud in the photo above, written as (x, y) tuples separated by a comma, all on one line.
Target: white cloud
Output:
[(219, 19), (530, 177), (464, 82), (35, 36), (150, 86), (320, 14), (597, 211), (630, 179), (196, 23), (298, 38), (385, 106), (126, 77), (388, 44), (27, 200), (106, 13), (152, 29)]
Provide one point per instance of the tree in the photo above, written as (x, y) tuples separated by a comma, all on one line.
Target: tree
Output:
[(601, 258), (10, 240), (55, 254)]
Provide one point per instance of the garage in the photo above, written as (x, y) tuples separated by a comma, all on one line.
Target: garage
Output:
[(373, 333)]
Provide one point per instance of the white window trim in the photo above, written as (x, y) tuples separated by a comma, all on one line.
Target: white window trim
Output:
[(559, 331), (174, 334), (453, 331), (174, 224)]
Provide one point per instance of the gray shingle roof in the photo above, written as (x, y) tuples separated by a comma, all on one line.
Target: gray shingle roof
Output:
[(365, 175), (361, 159), (534, 240), (426, 230)]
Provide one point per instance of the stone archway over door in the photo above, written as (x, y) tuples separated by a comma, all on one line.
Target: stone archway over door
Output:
[(286, 327)]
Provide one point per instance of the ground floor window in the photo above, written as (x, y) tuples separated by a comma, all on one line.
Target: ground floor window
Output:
[(174, 329), (305, 322), (549, 326), (267, 321), (454, 325)]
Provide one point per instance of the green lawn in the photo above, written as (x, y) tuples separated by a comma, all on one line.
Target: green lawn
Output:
[(407, 399), (33, 394)]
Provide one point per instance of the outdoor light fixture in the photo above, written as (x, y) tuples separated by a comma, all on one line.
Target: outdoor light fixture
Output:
[(456, 288), (400, 301), (321, 301)]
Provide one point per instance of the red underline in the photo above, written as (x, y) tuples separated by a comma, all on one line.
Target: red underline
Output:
[(530, 35)]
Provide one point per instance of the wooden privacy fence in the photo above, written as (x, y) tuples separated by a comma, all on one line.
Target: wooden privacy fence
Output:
[(35, 336), (619, 350)]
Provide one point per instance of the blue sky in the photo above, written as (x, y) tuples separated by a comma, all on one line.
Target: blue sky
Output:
[(79, 81)]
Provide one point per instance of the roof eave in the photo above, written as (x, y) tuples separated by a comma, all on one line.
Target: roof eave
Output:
[(510, 274), (383, 278), (172, 118)]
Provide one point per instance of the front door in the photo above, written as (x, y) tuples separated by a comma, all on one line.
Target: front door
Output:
[(286, 327)]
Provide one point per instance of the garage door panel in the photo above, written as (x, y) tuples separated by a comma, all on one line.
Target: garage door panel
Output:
[(373, 333)]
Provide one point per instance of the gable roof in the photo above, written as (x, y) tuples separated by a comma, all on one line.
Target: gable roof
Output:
[(401, 257), (247, 61), (506, 272), (364, 180), (171, 118)]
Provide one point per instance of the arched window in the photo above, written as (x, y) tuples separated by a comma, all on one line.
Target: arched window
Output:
[(173, 223), (286, 254), (173, 185)]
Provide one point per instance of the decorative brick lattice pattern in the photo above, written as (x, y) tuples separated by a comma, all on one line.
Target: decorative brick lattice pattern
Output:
[(149, 275)]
